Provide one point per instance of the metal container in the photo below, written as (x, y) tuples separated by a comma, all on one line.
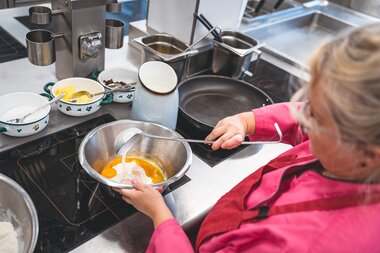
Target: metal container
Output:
[(114, 33), (233, 56), (165, 48), (41, 47), (97, 149), (17, 207), (40, 15)]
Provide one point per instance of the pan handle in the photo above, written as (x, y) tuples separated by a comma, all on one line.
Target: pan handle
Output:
[(280, 136), (211, 142), (279, 132)]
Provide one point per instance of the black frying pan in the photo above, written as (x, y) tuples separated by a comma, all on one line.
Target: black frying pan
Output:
[(204, 100)]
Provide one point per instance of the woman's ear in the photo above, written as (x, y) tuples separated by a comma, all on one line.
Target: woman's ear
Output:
[(370, 156)]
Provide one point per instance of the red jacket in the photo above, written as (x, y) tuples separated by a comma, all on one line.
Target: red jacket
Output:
[(349, 229)]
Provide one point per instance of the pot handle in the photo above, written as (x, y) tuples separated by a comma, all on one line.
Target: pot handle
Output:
[(50, 97), (94, 75), (3, 129), (107, 99), (47, 87)]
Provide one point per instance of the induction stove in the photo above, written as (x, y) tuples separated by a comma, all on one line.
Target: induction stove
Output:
[(72, 207), (10, 48), (275, 82), (203, 151), (278, 84)]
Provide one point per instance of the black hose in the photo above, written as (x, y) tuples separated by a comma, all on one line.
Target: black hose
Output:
[(259, 6), (208, 26), (279, 2)]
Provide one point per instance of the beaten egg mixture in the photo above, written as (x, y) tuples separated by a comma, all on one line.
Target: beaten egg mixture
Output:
[(132, 168), (69, 90)]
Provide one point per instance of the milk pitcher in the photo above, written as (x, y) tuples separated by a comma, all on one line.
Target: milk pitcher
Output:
[(156, 95)]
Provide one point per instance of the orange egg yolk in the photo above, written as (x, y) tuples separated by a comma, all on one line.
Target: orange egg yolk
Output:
[(108, 172), (151, 170)]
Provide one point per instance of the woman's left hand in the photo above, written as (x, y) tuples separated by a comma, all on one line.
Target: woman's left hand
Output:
[(147, 200)]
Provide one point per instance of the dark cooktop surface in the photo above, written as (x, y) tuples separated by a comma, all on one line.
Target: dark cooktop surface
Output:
[(203, 151), (277, 83), (72, 207), (10, 48)]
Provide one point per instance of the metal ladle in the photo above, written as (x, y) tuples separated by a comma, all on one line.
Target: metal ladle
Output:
[(81, 93), (128, 137)]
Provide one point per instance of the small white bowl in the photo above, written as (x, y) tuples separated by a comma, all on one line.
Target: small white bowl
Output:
[(79, 83), (119, 75), (16, 105)]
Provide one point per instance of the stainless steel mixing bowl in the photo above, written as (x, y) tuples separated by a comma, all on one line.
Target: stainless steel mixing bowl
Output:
[(17, 207), (97, 149)]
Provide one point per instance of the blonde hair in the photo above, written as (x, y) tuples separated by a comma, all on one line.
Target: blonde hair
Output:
[(348, 72)]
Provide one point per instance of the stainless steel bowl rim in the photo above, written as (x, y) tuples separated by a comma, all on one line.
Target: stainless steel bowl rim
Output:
[(87, 167), (31, 207)]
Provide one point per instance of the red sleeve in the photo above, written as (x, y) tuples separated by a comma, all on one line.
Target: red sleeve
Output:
[(266, 116), (169, 237)]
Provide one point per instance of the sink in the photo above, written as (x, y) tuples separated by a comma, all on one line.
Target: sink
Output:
[(269, 7), (295, 38)]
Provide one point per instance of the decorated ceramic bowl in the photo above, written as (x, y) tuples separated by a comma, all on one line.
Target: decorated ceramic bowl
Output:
[(119, 76), (78, 108), (18, 104)]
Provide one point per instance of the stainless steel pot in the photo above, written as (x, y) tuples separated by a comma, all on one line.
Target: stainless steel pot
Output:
[(97, 149), (166, 48), (233, 56), (17, 207)]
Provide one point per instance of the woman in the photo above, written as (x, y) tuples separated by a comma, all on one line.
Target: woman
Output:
[(323, 195)]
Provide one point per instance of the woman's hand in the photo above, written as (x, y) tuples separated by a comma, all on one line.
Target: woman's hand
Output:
[(147, 200), (231, 131)]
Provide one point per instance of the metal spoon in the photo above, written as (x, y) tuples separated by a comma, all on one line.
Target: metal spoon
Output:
[(21, 119), (124, 137), (81, 93), (122, 149)]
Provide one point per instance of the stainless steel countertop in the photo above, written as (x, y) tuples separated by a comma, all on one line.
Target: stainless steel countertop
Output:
[(189, 203)]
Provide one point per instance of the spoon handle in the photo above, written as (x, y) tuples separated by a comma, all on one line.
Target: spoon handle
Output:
[(48, 103), (115, 89), (39, 108)]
